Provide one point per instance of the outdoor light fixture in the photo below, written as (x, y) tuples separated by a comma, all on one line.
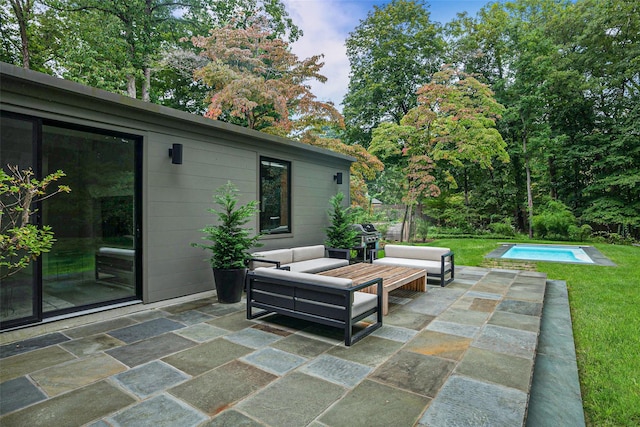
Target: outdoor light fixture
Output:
[(176, 154), (338, 178)]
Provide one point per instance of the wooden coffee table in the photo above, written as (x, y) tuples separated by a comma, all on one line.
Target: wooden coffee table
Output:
[(412, 279)]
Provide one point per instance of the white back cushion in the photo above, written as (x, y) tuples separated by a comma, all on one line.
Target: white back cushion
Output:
[(415, 252), (304, 253), (284, 256), (303, 277)]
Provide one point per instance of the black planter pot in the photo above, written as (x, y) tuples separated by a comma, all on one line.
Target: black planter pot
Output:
[(229, 284)]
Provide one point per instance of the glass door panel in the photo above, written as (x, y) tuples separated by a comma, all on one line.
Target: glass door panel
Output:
[(18, 296), (93, 261)]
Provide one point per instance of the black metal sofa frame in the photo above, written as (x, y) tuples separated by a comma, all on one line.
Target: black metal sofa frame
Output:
[(319, 303)]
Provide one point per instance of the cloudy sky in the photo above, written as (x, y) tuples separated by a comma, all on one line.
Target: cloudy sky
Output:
[(327, 23)]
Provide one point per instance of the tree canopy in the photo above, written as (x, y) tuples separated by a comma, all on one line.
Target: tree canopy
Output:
[(451, 129), (569, 77), (392, 52), (258, 82), (554, 85)]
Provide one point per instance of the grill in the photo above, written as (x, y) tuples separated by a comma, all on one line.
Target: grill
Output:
[(369, 238)]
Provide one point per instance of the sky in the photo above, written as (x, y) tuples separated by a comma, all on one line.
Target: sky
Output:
[(327, 23)]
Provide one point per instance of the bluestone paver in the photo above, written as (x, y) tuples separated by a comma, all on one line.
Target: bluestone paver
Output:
[(275, 361), (292, 401), (72, 409), (467, 402), (91, 345), (207, 356), (77, 373), (218, 389), (19, 365), (371, 352), (337, 370), (153, 348), (415, 372), (31, 344), (145, 380), (372, 404), (148, 329), (159, 411), (395, 333), (18, 393)]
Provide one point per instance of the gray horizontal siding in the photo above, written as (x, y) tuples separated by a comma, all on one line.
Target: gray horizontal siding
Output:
[(176, 197)]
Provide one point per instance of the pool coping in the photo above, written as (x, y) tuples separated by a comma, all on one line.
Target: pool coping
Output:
[(596, 256)]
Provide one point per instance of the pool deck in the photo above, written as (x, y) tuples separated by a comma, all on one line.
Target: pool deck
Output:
[(596, 256), (459, 355)]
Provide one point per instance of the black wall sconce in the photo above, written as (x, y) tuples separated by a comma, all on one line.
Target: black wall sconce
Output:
[(338, 178), (176, 154)]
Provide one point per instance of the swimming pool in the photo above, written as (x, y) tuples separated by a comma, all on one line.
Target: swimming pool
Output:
[(551, 253), (569, 254)]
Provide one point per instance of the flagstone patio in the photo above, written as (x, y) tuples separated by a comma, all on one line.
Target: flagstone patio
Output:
[(459, 355)]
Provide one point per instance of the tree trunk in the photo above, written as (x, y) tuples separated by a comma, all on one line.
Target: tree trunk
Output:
[(553, 191), (404, 223), (529, 194), (24, 48), (146, 85), (466, 186), (131, 85), (406, 226), (22, 11)]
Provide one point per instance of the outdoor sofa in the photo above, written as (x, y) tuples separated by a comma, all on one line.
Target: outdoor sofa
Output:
[(117, 264), (438, 262), (329, 301), (302, 259)]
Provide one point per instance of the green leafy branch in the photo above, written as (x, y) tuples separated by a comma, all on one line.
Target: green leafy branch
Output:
[(20, 239)]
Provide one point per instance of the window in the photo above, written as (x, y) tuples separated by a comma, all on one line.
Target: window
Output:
[(275, 196)]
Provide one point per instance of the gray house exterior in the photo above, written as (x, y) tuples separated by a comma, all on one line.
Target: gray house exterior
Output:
[(125, 231)]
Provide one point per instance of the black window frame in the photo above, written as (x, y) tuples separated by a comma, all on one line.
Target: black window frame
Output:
[(262, 226), (38, 124)]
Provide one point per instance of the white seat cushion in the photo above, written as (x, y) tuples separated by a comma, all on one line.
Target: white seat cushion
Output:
[(362, 302), (303, 277), (432, 267), (284, 256), (316, 265)]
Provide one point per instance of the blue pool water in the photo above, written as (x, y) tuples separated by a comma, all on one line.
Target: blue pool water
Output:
[(548, 253)]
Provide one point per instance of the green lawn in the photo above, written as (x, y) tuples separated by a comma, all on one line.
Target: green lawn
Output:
[(605, 310)]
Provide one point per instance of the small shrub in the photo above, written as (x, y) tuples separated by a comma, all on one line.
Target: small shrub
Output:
[(612, 238), (340, 234), (382, 228), (230, 241), (503, 228), (580, 234), (554, 221), (422, 229)]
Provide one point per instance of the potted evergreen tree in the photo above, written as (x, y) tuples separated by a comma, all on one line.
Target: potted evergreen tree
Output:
[(230, 242), (341, 236)]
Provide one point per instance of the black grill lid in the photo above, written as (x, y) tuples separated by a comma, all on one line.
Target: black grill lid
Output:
[(369, 228)]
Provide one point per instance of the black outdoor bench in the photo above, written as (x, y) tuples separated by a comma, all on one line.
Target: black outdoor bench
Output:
[(326, 300)]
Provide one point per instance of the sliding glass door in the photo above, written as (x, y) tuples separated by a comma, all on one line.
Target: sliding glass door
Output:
[(95, 259)]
